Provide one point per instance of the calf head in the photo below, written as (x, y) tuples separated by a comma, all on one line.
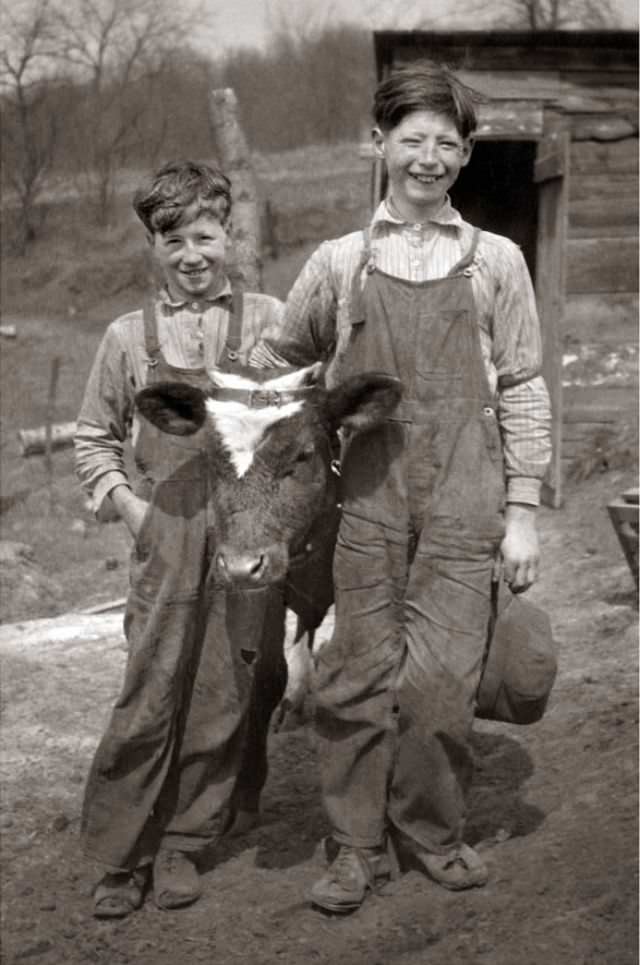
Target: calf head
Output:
[(268, 441)]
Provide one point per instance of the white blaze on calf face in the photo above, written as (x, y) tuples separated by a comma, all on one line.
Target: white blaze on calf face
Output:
[(241, 427)]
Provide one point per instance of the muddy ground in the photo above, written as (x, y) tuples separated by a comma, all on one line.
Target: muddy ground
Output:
[(554, 807)]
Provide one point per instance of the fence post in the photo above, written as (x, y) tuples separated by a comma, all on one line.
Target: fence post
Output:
[(51, 405)]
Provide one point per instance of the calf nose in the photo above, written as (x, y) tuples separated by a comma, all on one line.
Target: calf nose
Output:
[(242, 567)]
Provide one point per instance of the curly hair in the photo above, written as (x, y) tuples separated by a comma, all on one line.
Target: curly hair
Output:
[(180, 190)]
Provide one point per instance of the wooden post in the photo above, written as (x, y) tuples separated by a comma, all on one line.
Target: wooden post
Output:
[(234, 158), (51, 405)]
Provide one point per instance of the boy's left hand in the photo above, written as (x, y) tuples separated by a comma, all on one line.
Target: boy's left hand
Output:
[(520, 549)]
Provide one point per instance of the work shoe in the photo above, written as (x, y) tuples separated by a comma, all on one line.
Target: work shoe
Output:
[(383, 861), (347, 880), (460, 868), (176, 881), (118, 895)]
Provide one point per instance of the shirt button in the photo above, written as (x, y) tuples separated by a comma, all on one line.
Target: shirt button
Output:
[(194, 306)]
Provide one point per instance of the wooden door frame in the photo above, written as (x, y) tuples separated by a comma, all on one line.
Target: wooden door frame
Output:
[(551, 174)]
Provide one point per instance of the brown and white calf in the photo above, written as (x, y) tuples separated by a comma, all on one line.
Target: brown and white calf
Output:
[(270, 444)]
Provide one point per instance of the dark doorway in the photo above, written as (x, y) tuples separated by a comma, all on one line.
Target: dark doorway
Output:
[(496, 191)]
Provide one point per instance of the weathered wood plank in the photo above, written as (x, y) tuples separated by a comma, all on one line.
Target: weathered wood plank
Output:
[(521, 120), (550, 167), (579, 91), (603, 217), (615, 52), (514, 85), (602, 265), (602, 317), (603, 127), (594, 157), (594, 102), (587, 186)]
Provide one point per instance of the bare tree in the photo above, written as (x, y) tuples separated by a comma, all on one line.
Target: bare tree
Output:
[(118, 50), (29, 129), (560, 14), (503, 14)]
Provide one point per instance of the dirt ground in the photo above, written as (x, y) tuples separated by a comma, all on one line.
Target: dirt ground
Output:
[(554, 806)]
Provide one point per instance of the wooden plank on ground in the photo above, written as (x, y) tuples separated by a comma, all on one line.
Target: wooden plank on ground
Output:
[(602, 265), (600, 404)]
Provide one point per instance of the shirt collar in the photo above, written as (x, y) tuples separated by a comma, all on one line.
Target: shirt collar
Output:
[(447, 216), (169, 303)]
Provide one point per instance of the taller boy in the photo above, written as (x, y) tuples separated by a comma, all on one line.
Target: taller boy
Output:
[(433, 501)]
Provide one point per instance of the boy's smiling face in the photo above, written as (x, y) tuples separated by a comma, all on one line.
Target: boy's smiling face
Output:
[(424, 154), (192, 257)]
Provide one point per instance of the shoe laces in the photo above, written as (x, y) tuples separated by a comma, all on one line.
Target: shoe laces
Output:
[(343, 865), (170, 860)]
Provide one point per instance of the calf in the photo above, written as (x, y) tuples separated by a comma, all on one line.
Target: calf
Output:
[(270, 445)]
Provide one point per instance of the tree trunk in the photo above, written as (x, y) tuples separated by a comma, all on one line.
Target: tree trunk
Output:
[(235, 161)]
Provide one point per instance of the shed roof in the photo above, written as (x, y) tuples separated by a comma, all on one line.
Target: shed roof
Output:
[(613, 50)]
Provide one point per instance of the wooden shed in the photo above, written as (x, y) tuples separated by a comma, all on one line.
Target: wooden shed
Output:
[(555, 168)]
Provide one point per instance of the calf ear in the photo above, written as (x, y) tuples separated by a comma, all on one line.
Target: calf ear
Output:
[(363, 401), (173, 407)]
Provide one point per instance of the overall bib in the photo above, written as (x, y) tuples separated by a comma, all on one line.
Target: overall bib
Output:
[(166, 769), (422, 522)]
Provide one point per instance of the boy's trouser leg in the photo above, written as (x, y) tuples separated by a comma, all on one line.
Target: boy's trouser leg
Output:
[(447, 615), (354, 682), (134, 757), (182, 655), (269, 678), (195, 801)]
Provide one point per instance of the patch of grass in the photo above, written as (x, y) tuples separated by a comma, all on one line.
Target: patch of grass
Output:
[(611, 447)]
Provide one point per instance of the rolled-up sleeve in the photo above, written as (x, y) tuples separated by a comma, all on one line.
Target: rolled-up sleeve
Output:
[(104, 421), (306, 331), (524, 410)]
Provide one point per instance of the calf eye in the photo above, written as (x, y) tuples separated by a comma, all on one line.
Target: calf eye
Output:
[(302, 456), (305, 454)]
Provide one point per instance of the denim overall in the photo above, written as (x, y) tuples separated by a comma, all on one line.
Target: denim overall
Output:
[(167, 766), (422, 521)]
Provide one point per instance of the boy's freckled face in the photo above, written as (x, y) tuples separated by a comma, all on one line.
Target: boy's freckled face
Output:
[(423, 154), (191, 257)]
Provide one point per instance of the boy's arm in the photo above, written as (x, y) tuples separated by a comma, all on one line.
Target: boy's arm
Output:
[(305, 332), (524, 414), (103, 423)]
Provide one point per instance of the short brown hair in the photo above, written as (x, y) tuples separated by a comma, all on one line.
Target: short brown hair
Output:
[(176, 188), (425, 85)]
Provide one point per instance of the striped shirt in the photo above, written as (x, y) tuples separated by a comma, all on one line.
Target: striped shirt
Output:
[(317, 320), (191, 335)]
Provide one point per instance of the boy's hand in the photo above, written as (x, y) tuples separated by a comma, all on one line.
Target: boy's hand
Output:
[(130, 508), (520, 549)]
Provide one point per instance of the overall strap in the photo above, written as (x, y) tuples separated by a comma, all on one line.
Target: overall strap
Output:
[(151, 341), (231, 349), (367, 260), (463, 265)]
